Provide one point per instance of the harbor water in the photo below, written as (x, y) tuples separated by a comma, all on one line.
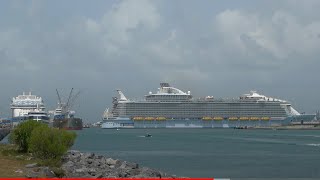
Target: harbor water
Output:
[(224, 153)]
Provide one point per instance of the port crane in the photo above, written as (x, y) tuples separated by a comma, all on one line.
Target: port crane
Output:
[(65, 108)]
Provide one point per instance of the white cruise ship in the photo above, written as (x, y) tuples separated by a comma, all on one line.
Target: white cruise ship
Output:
[(27, 104), (171, 107)]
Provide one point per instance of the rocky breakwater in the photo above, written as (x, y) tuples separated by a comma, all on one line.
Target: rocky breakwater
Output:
[(77, 164), (4, 132)]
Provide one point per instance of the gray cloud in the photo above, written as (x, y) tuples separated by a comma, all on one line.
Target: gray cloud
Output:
[(211, 48)]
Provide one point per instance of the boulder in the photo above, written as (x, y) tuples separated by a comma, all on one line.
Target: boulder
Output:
[(128, 165), (88, 155), (31, 165), (39, 172), (147, 172), (111, 161)]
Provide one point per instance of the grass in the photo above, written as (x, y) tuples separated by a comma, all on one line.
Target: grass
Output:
[(12, 163)]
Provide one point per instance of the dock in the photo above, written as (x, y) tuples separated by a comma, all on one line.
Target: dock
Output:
[(4, 132)]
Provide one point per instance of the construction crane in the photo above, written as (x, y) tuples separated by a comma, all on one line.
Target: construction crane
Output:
[(65, 108)]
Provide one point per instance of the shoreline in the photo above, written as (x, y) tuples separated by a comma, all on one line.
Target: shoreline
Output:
[(74, 164), (290, 127), (79, 164)]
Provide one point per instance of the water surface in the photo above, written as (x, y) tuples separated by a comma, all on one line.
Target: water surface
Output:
[(211, 152)]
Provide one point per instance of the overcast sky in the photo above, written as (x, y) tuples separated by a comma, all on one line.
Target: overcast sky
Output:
[(222, 48)]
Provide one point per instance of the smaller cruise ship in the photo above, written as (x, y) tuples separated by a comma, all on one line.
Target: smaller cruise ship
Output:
[(39, 116), (110, 122), (24, 106)]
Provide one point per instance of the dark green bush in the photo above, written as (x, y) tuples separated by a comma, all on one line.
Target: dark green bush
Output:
[(50, 143), (22, 133)]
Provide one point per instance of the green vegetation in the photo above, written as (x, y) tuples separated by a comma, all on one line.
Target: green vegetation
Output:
[(48, 143), (34, 142), (44, 142), (22, 133)]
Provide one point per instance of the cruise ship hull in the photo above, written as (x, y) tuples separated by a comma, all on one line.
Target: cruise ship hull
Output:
[(68, 123), (198, 123)]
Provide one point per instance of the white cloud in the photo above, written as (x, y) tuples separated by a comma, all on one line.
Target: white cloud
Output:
[(231, 24), (282, 34), (125, 17)]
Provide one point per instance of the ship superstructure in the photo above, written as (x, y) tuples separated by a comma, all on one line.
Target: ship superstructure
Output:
[(24, 104), (172, 107)]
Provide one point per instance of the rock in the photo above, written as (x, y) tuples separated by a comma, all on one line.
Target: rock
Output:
[(92, 170), (48, 173), (133, 172), (90, 161), (77, 164), (111, 161), (32, 175), (73, 152), (100, 175), (129, 165), (147, 172), (118, 163), (88, 155), (18, 171), (31, 165), (99, 157), (83, 172), (40, 172), (122, 174), (80, 171)]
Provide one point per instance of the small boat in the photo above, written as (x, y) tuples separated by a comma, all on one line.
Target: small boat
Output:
[(148, 135)]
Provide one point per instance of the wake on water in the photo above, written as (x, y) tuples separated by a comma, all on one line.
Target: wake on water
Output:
[(316, 145)]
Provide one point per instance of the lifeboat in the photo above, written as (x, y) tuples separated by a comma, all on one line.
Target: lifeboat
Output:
[(149, 118), (265, 118), (138, 118), (161, 118), (207, 118), (218, 118), (233, 118), (254, 118), (244, 118)]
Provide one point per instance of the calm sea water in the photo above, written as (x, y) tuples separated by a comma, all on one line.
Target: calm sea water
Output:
[(225, 153)]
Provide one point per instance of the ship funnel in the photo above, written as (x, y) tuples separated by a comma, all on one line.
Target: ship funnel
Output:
[(122, 96)]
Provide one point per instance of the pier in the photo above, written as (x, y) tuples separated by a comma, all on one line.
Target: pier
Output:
[(4, 131)]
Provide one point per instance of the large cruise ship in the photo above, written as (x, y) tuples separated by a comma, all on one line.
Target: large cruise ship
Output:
[(171, 107)]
